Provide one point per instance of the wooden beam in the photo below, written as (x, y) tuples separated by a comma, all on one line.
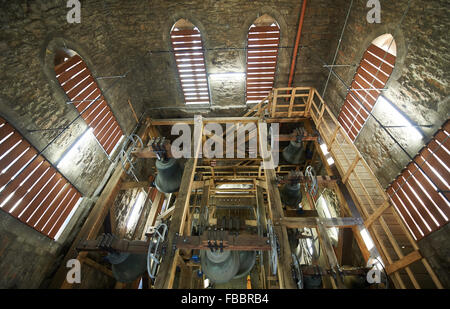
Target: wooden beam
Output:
[(169, 122), (276, 212), (350, 169), (134, 113), (286, 120), (154, 211), (299, 222), (261, 207), (373, 217), (204, 204), (134, 184), (330, 255), (344, 250), (404, 262), (166, 272), (92, 225), (240, 242), (304, 214), (167, 213), (97, 266)]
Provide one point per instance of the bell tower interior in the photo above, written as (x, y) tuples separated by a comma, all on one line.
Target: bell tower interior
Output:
[(224, 144)]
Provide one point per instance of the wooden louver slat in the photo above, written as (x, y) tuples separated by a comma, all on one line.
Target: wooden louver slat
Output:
[(29, 184), (262, 55), (371, 76), (81, 87), (190, 62), (421, 191)]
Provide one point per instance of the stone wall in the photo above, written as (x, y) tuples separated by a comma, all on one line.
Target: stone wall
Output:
[(418, 87), (31, 99)]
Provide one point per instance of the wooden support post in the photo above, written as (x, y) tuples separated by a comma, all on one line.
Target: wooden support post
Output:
[(166, 272), (154, 211), (350, 169), (134, 113), (92, 225), (134, 184), (309, 102), (319, 121), (261, 209), (291, 103), (285, 258), (311, 222), (333, 137), (373, 217), (404, 262), (330, 254), (274, 102)]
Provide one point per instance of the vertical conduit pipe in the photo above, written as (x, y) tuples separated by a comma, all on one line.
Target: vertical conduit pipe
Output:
[(297, 41)]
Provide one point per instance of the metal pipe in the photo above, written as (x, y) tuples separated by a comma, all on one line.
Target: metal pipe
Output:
[(297, 41)]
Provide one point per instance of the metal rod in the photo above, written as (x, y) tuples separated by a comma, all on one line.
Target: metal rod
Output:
[(361, 89), (217, 49), (337, 48), (412, 125), (110, 77), (80, 101), (340, 65)]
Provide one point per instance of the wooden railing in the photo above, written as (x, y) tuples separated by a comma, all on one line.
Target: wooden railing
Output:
[(399, 251)]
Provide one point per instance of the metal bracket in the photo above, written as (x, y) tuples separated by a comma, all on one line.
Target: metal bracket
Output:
[(155, 250), (126, 157)]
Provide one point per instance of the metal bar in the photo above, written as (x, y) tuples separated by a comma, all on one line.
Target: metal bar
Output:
[(110, 77), (412, 125), (361, 89), (337, 48), (339, 65), (80, 101)]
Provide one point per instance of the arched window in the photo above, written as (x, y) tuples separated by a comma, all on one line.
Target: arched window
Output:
[(263, 40), (190, 60), (84, 93), (368, 83), (421, 192), (31, 189)]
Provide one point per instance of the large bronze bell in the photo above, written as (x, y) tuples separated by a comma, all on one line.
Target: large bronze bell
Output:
[(219, 267), (169, 175), (247, 260), (127, 267), (290, 194), (294, 153)]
